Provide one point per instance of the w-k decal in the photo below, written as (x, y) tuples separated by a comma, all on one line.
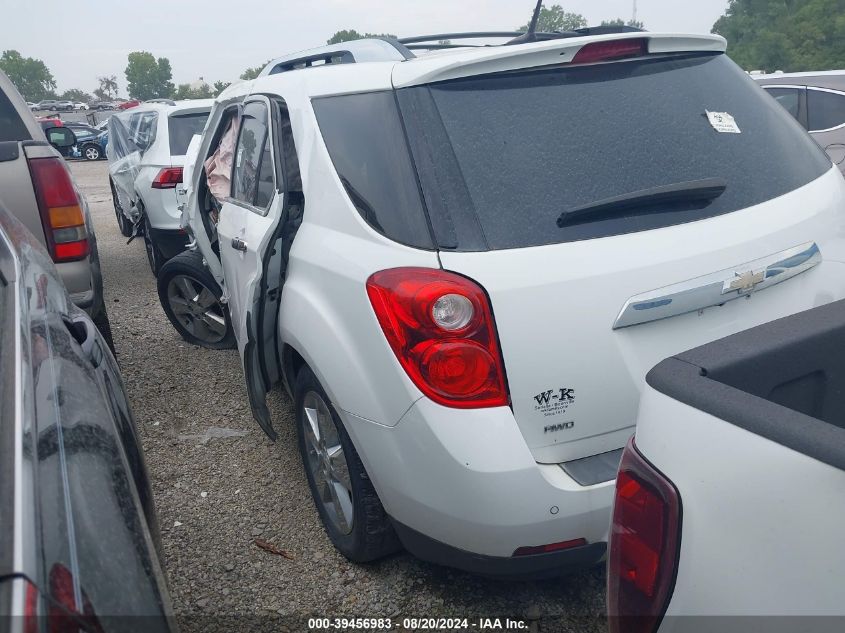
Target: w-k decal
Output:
[(561, 395)]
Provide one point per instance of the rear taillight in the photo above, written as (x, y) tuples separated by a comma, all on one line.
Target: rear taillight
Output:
[(168, 178), (30, 608), (644, 539), (611, 51), (61, 213), (441, 329)]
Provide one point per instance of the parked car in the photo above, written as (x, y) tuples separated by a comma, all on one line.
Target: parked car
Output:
[(737, 465), (90, 142), (462, 265), (93, 147), (36, 185), (76, 508), (817, 101), (146, 154), (47, 104), (102, 105), (126, 105), (30, 105), (66, 106), (50, 122), (78, 105)]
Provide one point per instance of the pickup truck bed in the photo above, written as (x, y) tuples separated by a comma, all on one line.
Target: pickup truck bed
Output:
[(744, 438), (784, 381)]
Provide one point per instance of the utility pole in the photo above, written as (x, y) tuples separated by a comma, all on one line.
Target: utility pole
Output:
[(634, 19)]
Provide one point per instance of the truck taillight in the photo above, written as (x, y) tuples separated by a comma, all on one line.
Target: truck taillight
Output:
[(61, 212), (167, 178), (441, 329), (645, 537), (611, 51)]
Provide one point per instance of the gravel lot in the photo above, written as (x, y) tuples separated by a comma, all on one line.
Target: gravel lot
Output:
[(215, 498)]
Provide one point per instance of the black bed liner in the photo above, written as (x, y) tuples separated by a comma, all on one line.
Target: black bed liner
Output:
[(784, 381)]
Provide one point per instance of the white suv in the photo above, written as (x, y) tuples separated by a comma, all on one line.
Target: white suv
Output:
[(462, 264), (146, 153)]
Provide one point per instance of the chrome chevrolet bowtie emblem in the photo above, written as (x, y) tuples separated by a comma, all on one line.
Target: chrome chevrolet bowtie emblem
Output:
[(744, 282), (719, 287)]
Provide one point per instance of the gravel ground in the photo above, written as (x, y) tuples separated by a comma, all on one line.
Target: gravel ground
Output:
[(215, 498)]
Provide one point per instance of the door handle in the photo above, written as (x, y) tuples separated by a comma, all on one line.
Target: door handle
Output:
[(238, 244)]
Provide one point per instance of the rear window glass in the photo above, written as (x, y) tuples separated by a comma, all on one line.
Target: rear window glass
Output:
[(12, 127), (182, 130), (501, 157)]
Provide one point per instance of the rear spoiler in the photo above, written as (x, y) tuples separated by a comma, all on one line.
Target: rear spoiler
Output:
[(473, 62)]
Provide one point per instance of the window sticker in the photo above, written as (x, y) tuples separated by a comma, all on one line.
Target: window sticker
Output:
[(723, 122)]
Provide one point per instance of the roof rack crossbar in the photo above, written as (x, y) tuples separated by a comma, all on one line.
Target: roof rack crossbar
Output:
[(438, 47), (538, 36), (457, 36)]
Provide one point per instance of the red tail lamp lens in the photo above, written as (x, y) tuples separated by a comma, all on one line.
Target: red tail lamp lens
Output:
[(441, 329), (61, 213), (610, 51), (645, 535), (167, 178)]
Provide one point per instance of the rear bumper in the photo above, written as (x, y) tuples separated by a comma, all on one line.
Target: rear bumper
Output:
[(534, 567), (169, 241), (84, 281), (466, 481)]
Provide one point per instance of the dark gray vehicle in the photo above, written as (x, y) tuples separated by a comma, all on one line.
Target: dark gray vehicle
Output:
[(78, 530), (37, 186), (817, 101)]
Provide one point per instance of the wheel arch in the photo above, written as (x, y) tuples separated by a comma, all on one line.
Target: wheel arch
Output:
[(343, 345)]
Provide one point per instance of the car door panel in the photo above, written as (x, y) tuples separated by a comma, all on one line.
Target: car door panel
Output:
[(252, 245)]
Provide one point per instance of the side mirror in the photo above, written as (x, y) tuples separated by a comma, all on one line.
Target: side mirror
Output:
[(60, 137)]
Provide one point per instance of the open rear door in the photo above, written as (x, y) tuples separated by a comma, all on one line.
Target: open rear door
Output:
[(266, 190)]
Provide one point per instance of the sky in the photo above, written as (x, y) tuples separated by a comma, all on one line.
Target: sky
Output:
[(217, 40)]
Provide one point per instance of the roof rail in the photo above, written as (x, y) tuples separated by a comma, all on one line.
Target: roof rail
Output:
[(382, 49), (418, 42)]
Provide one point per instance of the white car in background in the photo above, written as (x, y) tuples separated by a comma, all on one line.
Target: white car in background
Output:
[(78, 105), (462, 265), (729, 499), (146, 152)]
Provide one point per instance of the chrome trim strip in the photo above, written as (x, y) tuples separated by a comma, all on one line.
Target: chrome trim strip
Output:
[(718, 288)]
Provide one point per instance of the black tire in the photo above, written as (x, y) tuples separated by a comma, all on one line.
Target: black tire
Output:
[(101, 320), (188, 264), (123, 222), (371, 535), (155, 258), (91, 152)]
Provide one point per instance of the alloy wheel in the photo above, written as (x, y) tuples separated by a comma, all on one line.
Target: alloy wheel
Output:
[(197, 308), (327, 462), (92, 153)]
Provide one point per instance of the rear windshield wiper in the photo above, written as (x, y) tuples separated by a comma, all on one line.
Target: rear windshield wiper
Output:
[(692, 191)]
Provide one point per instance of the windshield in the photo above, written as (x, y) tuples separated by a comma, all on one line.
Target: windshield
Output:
[(182, 130), (501, 157)]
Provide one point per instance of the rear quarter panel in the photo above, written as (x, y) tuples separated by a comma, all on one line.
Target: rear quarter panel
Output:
[(761, 523)]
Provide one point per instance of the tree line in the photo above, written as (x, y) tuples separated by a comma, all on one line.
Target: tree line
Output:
[(788, 35)]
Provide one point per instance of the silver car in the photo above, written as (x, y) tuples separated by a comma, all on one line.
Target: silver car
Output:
[(37, 186), (817, 101)]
